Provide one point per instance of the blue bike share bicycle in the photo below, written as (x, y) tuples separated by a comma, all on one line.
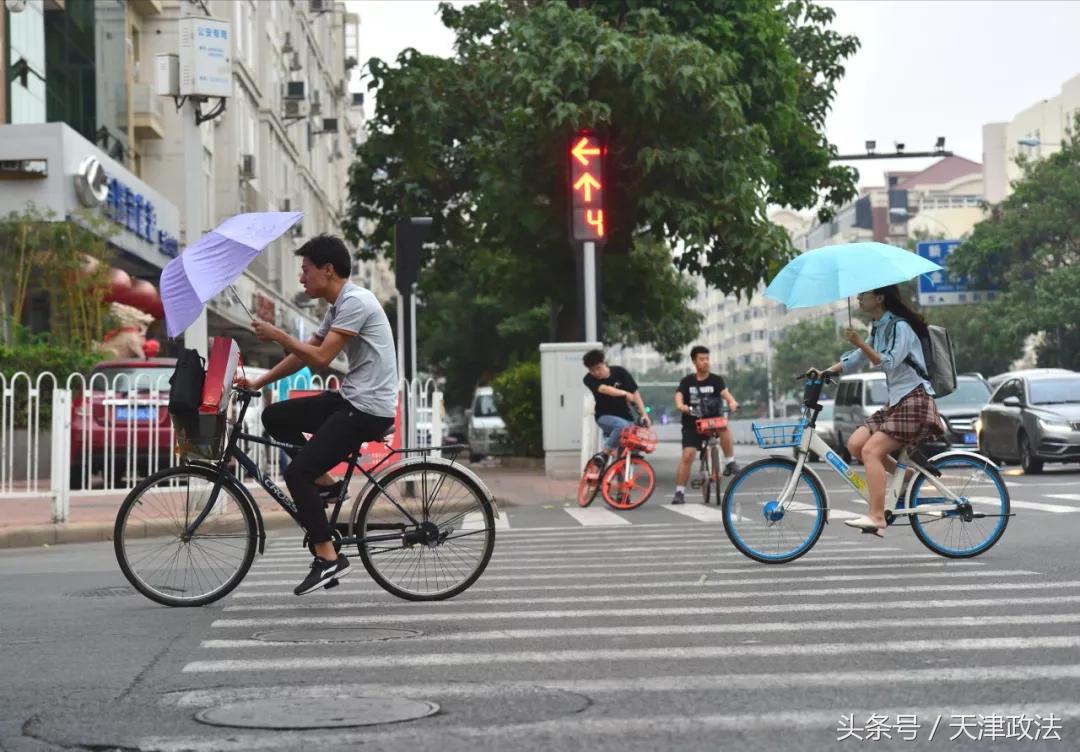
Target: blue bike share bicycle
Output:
[(775, 509)]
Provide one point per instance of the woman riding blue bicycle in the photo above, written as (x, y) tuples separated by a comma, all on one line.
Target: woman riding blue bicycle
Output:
[(911, 415)]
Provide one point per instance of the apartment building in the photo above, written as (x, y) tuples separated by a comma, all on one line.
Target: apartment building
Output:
[(283, 143)]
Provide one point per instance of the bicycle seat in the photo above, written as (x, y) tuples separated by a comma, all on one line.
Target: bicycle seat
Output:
[(388, 434)]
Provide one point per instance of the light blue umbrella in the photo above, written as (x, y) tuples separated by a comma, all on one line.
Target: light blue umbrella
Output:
[(839, 271), (211, 264)]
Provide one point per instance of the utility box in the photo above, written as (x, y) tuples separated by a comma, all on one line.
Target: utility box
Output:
[(562, 392)]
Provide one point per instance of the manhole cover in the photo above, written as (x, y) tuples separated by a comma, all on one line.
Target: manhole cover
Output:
[(103, 592), (335, 634), (315, 712)]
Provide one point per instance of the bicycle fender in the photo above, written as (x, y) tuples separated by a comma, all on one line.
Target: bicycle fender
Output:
[(965, 453), (234, 483), (461, 468)]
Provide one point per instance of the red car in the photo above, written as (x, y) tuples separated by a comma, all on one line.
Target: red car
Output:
[(118, 425)]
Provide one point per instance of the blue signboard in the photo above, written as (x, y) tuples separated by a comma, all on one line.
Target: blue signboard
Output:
[(136, 214), (942, 288)]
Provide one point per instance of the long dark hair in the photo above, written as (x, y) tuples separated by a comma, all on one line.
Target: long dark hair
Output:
[(895, 303)]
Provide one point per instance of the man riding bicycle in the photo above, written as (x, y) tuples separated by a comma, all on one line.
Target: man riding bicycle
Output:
[(614, 390), (704, 393), (363, 409)]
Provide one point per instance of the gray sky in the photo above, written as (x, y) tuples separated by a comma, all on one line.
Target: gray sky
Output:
[(927, 68)]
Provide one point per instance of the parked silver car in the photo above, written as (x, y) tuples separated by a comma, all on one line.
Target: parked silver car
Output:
[(1033, 419)]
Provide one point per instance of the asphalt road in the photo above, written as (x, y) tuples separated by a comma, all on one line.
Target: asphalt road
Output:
[(640, 630)]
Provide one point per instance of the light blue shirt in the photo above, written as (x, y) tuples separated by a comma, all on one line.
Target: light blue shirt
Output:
[(894, 344)]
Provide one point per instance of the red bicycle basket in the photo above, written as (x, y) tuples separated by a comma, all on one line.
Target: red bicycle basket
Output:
[(704, 425), (638, 438)]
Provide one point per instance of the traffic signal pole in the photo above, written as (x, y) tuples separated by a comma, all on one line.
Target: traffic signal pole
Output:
[(589, 263)]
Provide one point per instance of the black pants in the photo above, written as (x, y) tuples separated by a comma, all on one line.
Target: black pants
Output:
[(338, 428)]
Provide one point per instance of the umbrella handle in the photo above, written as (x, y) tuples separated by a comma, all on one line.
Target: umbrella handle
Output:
[(848, 310), (241, 302)]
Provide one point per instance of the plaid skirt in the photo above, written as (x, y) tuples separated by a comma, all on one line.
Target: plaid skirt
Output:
[(913, 419)]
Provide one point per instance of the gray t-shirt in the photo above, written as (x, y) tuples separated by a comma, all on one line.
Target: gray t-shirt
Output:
[(371, 384)]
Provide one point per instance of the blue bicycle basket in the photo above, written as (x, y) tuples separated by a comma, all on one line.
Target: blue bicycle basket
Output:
[(778, 435)]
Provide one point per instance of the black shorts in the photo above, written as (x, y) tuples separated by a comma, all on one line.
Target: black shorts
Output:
[(691, 438)]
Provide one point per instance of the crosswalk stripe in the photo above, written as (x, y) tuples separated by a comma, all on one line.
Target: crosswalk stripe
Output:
[(696, 511), (475, 521), (996, 502), (589, 516), (326, 620), (1012, 674), (594, 655), (1066, 497), (640, 591), (673, 726), (673, 630), (748, 572), (667, 596)]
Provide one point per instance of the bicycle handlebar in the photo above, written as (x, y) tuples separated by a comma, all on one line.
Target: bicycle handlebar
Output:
[(827, 377), (695, 412)]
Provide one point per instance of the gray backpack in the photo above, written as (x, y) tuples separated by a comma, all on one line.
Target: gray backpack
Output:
[(940, 364)]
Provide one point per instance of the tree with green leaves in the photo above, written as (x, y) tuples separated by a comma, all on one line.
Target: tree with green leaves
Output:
[(812, 343), (1029, 246), (712, 112)]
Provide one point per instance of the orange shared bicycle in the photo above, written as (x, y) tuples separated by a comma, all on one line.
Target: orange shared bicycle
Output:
[(629, 480)]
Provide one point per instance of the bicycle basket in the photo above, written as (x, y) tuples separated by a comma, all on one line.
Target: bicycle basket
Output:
[(778, 435), (199, 436), (705, 425), (638, 438)]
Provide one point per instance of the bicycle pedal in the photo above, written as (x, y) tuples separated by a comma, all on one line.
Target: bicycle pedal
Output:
[(332, 584)]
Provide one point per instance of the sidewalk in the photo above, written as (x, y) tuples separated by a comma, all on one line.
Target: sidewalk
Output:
[(28, 522)]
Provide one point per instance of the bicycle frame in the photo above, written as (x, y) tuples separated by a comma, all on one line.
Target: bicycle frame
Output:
[(232, 451), (811, 442)]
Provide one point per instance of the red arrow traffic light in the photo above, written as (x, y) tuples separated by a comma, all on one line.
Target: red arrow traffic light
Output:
[(586, 153)]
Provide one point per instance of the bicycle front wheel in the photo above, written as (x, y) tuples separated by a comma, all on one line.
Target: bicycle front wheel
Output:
[(162, 560), (428, 533), (628, 487), (759, 525), (590, 480), (976, 523)]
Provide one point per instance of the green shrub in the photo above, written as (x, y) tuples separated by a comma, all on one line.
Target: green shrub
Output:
[(33, 359), (517, 395)]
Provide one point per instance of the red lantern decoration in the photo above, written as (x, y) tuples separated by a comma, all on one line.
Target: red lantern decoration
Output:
[(118, 286), (143, 295), (151, 348)]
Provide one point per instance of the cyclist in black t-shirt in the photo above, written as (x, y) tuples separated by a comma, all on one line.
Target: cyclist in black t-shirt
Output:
[(614, 390), (706, 392)]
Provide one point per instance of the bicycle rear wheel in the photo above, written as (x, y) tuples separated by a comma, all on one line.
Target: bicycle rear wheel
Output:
[(166, 564), (705, 475), (590, 479), (977, 523), (635, 483), (428, 533), (763, 529)]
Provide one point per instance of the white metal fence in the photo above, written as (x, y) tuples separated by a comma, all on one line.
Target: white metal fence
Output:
[(100, 435)]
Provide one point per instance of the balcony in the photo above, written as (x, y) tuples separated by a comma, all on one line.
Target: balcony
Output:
[(146, 111), (146, 8)]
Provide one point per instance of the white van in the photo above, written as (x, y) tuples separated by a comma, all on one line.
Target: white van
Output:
[(484, 425)]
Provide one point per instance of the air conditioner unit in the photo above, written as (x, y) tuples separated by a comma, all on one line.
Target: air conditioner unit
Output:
[(247, 166), (294, 90), (358, 99), (319, 6), (294, 62), (286, 46), (316, 104), (295, 109), (329, 125)]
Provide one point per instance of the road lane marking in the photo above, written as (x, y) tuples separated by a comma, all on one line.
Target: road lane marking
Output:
[(635, 630), (597, 516), (326, 620), (597, 655)]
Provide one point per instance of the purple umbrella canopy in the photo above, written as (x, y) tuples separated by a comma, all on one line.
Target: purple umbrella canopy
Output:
[(214, 262)]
